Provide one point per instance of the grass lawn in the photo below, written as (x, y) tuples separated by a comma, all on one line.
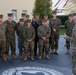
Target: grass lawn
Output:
[(62, 31)]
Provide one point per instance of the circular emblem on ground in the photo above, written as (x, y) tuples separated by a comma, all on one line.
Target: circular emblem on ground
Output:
[(31, 71)]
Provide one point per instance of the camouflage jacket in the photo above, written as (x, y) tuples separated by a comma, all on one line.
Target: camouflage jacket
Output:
[(29, 33), (69, 27), (11, 27), (73, 38), (2, 31), (19, 31), (55, 24), (44, 31)]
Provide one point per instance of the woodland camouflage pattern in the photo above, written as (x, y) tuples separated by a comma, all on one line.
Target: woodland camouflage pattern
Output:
[(43, 31)]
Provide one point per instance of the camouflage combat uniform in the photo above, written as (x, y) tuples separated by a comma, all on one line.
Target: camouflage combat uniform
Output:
[(2, 39), (74, 49), (73, 39), (43, 31), (10, 37), (19, 31), (29, 33), (69, 27), (55, 24)]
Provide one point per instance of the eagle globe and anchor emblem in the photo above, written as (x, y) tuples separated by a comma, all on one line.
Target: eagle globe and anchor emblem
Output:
[(31, 71)]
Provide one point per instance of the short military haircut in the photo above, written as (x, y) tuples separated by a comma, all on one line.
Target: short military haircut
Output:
[(10, 14), (44, 20), (21, 20), (71, 15), (23, 14), (28, 21), (54, 12), (27, 16), (1, 16)]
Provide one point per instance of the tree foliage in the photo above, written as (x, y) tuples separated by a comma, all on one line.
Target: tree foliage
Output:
[(42, 7)]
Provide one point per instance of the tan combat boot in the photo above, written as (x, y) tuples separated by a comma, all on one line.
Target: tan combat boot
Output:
[(32, 58), (21, 56), (67, 53), (52, 52), (25, 58), (56, 53), (29, 56), (4, 58), (14, 56), (40, 57), (47, 57)]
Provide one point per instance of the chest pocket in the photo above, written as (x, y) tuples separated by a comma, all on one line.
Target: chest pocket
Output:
[(29, 31), (11, 27), (44, 32), (2, 29), (55, 23)]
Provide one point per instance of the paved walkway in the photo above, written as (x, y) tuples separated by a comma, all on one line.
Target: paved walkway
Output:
[(57, 65)]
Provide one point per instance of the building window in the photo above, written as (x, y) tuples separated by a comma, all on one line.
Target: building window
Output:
[(24, 11), (14, 12)]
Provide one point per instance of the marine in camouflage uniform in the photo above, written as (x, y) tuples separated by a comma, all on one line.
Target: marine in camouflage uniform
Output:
[(73, 40), (2, 39), (29, 36), (19, 31), (55, 26), (36, 22), (69, 24), (46, 18), (27, 18), (74, 50), (10, 36), (23, 16), (44, 34)]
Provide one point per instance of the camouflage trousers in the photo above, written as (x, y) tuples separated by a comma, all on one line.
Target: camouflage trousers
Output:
[(20, 45), (2, 47), (10, 43), (43, 45), (29, 48), (54, 41), (74, 61), (67, 44)]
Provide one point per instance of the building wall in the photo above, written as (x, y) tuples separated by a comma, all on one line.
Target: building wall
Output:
[(19, 5), (70, 7)]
